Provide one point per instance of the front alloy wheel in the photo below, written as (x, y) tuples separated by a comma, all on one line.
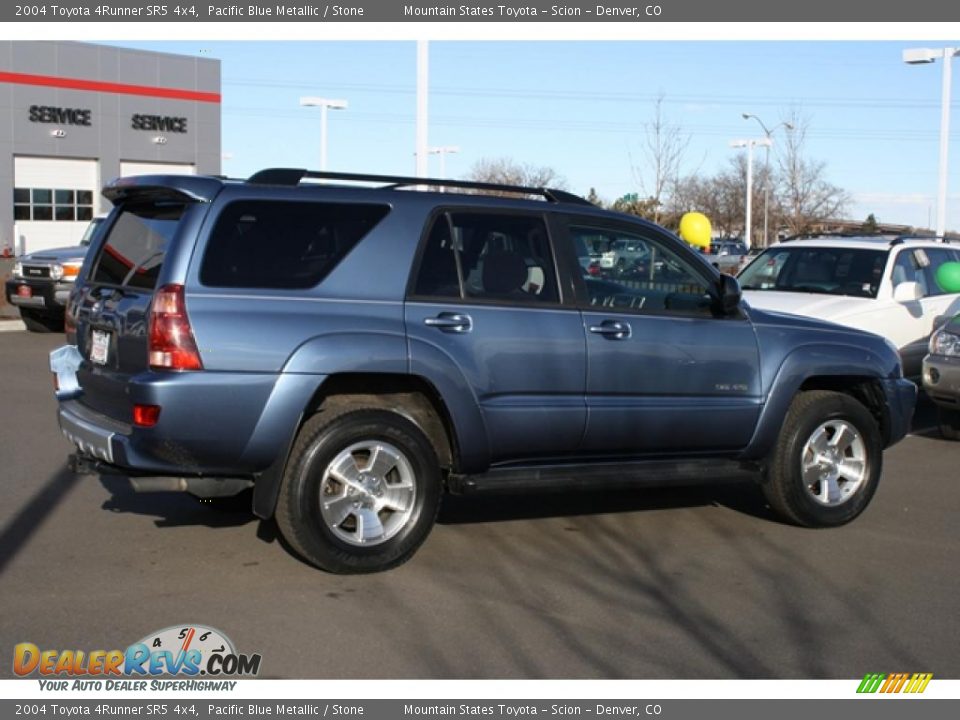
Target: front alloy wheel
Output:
[(826, 464), (834, 463)]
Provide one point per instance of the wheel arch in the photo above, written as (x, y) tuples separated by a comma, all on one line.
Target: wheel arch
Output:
[(410, 396), (857, 372)]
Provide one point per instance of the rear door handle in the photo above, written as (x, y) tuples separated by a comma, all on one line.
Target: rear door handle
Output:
[(613, 329), (450, 322)]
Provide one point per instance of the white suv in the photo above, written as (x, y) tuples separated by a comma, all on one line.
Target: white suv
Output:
[(883, 285)]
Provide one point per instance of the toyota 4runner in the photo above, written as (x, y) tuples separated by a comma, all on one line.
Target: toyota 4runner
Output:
[(352, 353)]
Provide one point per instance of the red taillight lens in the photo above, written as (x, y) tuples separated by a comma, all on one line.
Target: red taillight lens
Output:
[(172, 346), (146, 415)]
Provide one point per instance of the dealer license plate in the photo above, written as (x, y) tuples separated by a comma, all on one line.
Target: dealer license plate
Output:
[(24, 291), (100, 347)]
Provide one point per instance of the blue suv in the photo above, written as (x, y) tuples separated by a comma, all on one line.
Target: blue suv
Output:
[(354, 352)]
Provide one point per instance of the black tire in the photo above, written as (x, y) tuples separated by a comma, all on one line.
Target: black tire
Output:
[(785, 488), (41, 322), (328, 435), (949, 422)]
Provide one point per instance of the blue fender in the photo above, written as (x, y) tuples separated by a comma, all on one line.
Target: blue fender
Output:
[(807, 361)]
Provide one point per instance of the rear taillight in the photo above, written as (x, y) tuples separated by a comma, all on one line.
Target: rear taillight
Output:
[(172, 346)]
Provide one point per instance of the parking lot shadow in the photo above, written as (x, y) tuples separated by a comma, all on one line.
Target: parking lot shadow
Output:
[(177, 509), (31, 517), (744, 497)]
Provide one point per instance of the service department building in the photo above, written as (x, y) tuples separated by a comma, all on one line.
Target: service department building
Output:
[(73, 116)]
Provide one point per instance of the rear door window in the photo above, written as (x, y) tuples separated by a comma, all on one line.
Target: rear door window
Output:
[(283, 245), (488, 256), (136, 245)]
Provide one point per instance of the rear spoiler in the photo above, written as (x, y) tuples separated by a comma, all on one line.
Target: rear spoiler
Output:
[(171, 188)]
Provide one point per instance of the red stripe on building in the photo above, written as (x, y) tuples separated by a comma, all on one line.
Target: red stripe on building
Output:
[(110, 87)]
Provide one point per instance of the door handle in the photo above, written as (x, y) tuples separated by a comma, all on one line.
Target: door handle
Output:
[(613, 329), (450, 322)]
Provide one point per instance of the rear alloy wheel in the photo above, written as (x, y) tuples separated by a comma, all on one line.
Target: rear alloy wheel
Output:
[(949, 422), (826, 464), (361, 491)]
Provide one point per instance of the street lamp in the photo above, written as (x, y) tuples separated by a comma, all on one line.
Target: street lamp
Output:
[(749, 145), (918, 56), (324, 104), (766, 180), (443, 151)]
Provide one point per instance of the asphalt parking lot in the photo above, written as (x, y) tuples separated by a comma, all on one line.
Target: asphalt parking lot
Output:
[(689, 583)]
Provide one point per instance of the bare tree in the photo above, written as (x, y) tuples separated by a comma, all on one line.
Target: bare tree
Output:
[(664, 146), (805, 197), (505, 171)]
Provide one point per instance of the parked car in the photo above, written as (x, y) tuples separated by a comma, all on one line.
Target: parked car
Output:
[(622, 254), (882, 285), (353, 353), (41, 283), (727, 255), (941, 376)]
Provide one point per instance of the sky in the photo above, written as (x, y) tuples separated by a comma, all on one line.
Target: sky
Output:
[(581, 108)]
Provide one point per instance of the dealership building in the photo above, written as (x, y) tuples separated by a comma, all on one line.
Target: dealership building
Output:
[(73, 116)]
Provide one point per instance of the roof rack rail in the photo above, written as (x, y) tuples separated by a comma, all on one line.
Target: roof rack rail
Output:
[(293, 176), (836, 234), (936, 238)]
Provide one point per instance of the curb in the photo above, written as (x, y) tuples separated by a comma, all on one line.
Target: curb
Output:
[(11, 325)]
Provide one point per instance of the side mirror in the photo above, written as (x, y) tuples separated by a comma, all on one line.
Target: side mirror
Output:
[(907, 292), (728, 293)]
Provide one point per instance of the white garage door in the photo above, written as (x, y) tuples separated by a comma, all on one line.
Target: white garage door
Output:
[(53, 201), (141, 168)]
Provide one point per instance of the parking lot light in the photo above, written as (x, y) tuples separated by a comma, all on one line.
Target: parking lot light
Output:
[(919, 56), (324, 104), (749, 145), (768, 132)]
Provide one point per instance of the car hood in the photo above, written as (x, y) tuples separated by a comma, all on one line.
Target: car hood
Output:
[(75, 252), (828, 307)]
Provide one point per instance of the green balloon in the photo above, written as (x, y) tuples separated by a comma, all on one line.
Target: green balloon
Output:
[(948, 277)]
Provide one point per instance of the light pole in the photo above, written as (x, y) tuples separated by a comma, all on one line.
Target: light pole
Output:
[(766, 163), (324, 104), (749, 145), (916, 56), (423, 96), (443, 151)]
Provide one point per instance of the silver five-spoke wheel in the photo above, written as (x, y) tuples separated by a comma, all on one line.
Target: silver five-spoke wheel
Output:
[(834, 462), (367, 493)]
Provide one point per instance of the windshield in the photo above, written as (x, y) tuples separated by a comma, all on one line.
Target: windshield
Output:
[(831, 271), (88, 233)]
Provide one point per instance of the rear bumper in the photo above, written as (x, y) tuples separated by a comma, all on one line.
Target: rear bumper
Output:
[(92, 433), (210, 423)]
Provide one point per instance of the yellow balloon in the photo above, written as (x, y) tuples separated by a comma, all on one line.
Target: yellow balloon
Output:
[(695, 229)]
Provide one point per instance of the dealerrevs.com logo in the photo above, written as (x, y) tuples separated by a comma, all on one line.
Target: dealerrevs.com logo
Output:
[(179, 651)]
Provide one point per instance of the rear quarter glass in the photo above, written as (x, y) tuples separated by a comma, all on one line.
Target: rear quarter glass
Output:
[(284, 245)]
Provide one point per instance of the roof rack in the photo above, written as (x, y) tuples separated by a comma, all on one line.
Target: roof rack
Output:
[(837, 234), (935, 238), (292, 177)]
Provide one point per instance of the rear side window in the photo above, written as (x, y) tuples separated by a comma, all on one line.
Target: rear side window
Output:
[(133, 253), (283, 245)]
